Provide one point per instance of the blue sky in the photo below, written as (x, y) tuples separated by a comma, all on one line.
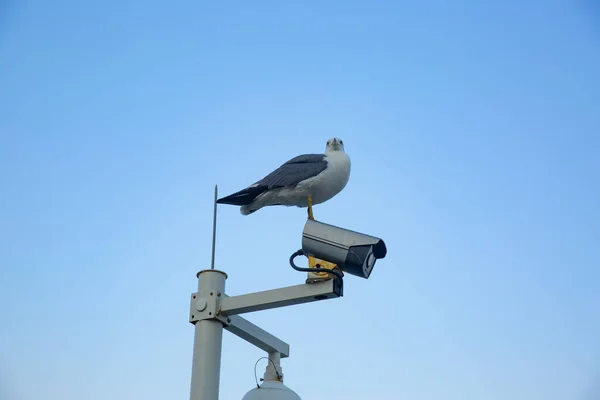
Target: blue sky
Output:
[(473, 130)]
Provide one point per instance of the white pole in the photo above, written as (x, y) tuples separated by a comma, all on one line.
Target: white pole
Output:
[(273, 367), (208, 338)]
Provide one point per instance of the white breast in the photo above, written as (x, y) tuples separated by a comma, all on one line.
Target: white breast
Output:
[(331, 181)]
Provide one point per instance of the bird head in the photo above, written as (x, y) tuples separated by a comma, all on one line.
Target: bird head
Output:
[(335, 144)]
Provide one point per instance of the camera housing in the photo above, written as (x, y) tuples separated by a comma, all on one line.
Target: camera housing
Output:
[(354, 252)]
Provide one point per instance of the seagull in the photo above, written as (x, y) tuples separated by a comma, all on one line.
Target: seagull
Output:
[(303, 181)]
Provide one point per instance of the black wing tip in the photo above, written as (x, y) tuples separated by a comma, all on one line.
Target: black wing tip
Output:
[(243, 197), (232, 200)]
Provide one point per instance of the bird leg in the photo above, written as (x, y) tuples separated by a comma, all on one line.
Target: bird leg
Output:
[(310, 211)]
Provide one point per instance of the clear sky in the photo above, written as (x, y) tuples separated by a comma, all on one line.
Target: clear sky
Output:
[(474, 132)]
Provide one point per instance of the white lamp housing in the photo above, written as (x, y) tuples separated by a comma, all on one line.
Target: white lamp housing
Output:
[(271, 390), (272, 387)]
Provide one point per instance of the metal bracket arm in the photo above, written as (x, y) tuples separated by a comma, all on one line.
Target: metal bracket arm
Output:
[(287, 296), (205, 305), (257, 336)]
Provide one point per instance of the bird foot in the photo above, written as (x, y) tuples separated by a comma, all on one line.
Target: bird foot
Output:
[(310, 211)]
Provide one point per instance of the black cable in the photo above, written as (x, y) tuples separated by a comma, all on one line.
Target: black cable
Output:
[(274, 367), (297, 268)]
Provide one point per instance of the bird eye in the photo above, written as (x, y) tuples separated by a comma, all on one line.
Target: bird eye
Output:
[(341, 142)]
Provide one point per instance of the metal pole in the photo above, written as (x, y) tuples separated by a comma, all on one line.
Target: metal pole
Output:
[(273, 371), (214, 236), (208, 339)]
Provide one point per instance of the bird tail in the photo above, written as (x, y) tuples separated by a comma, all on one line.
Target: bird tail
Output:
[(244, 197), (247, 210)]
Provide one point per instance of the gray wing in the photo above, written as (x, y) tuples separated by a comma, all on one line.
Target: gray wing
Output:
[(295, 171), (288, 175)]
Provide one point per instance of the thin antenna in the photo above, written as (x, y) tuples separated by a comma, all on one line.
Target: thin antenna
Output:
[(214, 235)]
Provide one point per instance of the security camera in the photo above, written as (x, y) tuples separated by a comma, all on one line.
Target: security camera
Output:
[(354, 252)]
